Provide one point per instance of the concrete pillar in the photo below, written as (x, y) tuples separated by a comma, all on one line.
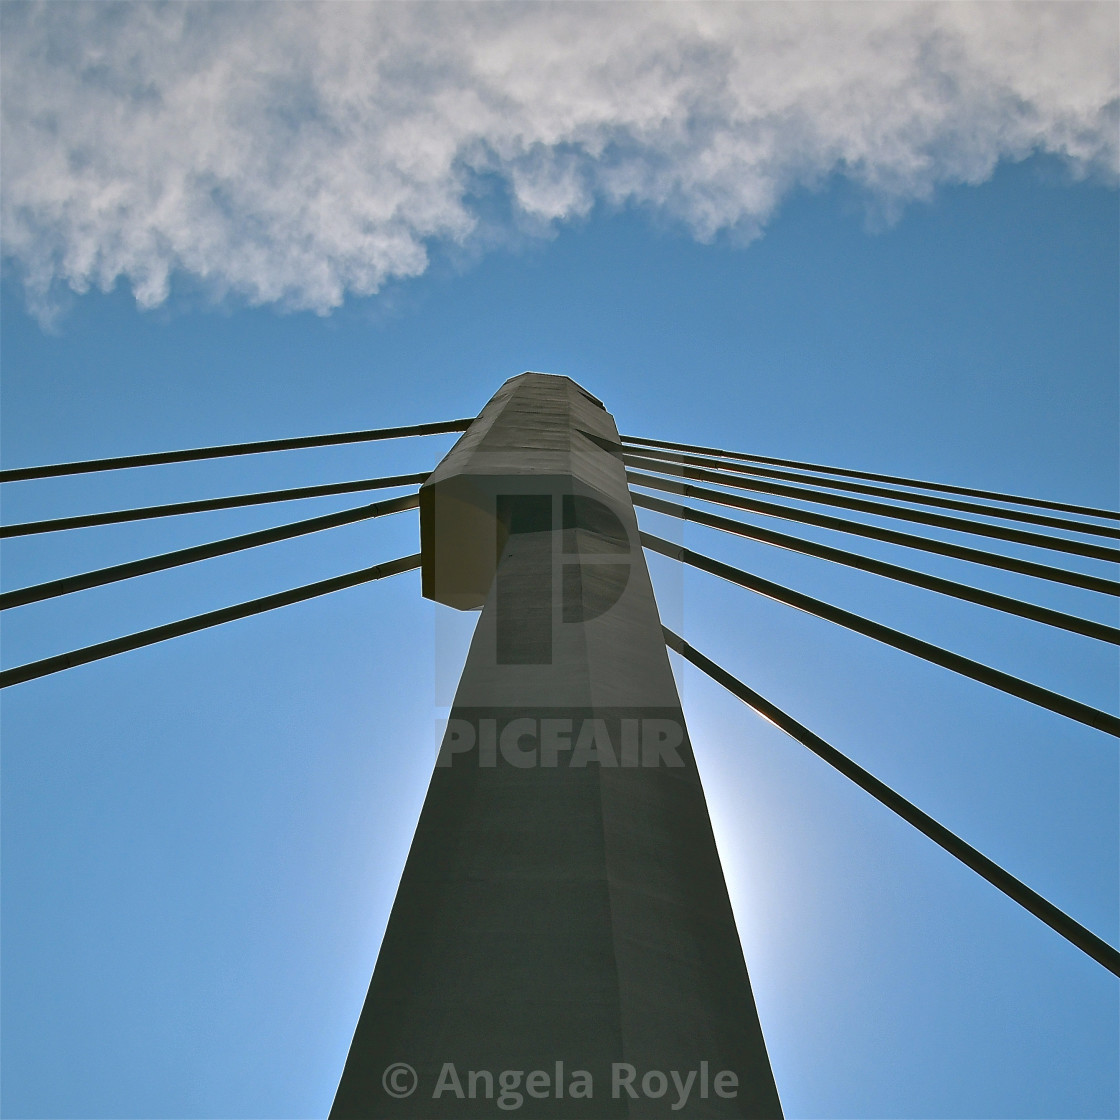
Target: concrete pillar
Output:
[(562, 929)]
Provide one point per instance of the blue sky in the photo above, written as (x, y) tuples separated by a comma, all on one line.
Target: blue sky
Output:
[(201, 840)]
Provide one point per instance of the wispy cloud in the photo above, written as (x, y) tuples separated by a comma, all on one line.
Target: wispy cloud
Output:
[(295, 154)]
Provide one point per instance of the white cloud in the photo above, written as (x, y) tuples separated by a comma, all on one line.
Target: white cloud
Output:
[(296, 153)]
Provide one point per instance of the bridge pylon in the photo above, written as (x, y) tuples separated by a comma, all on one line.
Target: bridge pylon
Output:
[(561, 943)]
